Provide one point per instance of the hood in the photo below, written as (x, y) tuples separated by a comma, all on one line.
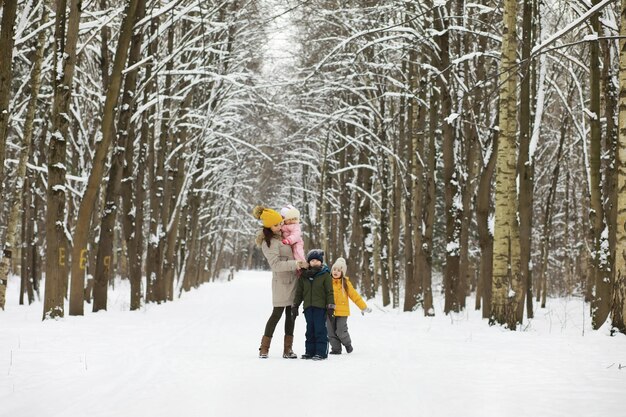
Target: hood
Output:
[(260, 238)]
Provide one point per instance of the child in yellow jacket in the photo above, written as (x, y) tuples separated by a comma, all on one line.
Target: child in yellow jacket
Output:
[(338, 324)]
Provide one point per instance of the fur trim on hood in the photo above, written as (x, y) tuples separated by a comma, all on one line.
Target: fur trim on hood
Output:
[(260, 238)]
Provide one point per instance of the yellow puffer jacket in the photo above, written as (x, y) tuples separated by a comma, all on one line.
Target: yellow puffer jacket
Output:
[(342, 307)]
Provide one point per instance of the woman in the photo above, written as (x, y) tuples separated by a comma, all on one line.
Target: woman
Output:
[(281, 260)]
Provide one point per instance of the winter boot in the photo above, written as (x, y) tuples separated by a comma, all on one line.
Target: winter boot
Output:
[(288, 350), (349, 349), (265, 347)]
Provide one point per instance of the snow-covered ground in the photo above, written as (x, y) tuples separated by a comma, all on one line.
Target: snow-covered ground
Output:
[(197, 356)]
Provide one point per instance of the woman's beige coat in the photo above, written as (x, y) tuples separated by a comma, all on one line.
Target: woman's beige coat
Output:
[(283, 265)]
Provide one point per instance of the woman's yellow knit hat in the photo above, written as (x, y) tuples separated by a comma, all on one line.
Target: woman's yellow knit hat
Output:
[(268, 216)]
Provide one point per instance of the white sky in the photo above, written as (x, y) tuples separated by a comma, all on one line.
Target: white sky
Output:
[(281, 36)]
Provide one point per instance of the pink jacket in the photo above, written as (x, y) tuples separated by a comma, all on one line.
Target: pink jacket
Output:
[(293, 234)]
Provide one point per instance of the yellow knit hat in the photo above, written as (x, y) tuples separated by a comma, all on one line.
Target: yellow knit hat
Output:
[(268, 216)]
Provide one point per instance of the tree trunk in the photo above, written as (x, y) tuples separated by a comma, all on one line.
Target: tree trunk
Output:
[(105, 61), (87, 203), (357, 250), (524, 164), (386, 205), (321, 234), (394, 236), (485, 237), (547, 224), (618, 310), (156, 189), (132, 199), (178, 194), (39, 215), (506, 286), (25, 151), (305, 213), (191, 270), (164, 179), (411, 293), (451, 279), (566, 235), (467, 195), (27, 238), (484, 179), (364, 205), (344, 202), (104, 260), (611, 160), (147, 135), (7, 40), (56, 229), (427, 215), (601, 301)]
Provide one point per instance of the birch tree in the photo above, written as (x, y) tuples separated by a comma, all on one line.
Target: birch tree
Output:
[(506, 280)]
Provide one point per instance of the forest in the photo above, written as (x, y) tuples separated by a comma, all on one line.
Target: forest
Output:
[(474, 148)]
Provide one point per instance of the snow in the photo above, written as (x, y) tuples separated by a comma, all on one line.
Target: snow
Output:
[(58, 136), (591, 37), (467, 57), (482, 9), (592, 115), (604, 248), (567, 28), (452, 248), (539, 108), (451, 118), (197, 356)]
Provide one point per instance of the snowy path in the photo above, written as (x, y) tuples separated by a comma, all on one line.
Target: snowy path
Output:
[(198, 357)]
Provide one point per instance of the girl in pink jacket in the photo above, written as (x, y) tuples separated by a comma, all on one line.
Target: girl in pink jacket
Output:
[(292, 233)]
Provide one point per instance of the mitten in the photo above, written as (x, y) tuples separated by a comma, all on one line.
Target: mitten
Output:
[(366, 310), (285, 242), (302, 264), (330, 310)]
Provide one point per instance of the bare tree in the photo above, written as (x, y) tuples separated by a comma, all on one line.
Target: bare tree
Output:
[(618, 309), (56, 229), (7, 40), (85, 211), (506, 278)]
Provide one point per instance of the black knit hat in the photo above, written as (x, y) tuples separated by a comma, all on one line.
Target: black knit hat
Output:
[(315, 254)]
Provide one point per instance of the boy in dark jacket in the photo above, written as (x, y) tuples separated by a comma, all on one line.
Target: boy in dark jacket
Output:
[(315, 289)]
